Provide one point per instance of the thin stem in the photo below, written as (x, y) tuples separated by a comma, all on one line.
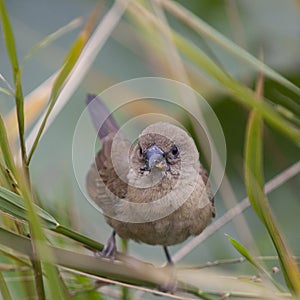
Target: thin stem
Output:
[(38, 276), (76, 236), (271, 185)]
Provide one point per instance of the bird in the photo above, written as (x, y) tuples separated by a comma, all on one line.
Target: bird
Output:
[(154, 191)]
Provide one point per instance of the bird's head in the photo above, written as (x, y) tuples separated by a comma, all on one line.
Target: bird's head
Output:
[(164, 148)]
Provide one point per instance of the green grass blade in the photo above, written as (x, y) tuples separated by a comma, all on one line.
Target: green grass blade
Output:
[(253, 162), (13, 204), (5, 148), (68, 65), (201, 27), (4, 289), (241, 93), (247, 255), (12, 54), (254, 187), (130, 270), (42, 254), (78, 237), (244, 252), (9, 40), (19, 261), (38, 276), (52, 37)]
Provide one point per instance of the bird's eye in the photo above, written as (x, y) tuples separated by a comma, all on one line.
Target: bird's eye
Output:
[(175, 151), (140, 151)]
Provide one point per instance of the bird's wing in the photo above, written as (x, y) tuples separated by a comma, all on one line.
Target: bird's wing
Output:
[(203, 173), (106, 180), (104, 184)]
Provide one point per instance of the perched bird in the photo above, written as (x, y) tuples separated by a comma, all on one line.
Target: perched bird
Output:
[(155, 191)]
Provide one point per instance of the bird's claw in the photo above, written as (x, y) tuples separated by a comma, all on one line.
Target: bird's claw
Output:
[(170, 285), (110, 248)]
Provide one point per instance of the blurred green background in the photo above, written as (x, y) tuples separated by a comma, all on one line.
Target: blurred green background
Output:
[(271, 25)]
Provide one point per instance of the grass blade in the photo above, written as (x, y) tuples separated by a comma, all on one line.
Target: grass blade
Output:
[(259, 201), (131, 272), (34, 104), (134, 272), (78, 237), (4, 145), (69, 63), (20, 262), (244, 252), (5, 91), (24, 208), (13, 204), (12, 53), (4, 288), (201, 27), (247, 255), (52, 37), (241, 93), (96, 42), (42, 255), (9, 89), (9, 40)]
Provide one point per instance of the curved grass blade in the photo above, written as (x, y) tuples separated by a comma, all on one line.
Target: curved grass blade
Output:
[(12, 53), (254, 186), (68, 65), (34, 104), (201, 27), (9, 40), (96, 42), (241, 93), (247, 255)]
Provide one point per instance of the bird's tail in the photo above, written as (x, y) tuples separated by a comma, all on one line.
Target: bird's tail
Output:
[(102, 119)]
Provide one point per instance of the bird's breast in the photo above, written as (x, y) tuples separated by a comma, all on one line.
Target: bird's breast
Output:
[(149, 187)]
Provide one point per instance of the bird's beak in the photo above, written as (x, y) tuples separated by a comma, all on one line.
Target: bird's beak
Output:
[(155, 158)]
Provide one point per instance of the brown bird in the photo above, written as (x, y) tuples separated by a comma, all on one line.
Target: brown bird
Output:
[(155, 191)]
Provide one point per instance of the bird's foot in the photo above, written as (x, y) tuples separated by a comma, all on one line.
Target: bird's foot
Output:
[(110, 248), (170, 285)]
